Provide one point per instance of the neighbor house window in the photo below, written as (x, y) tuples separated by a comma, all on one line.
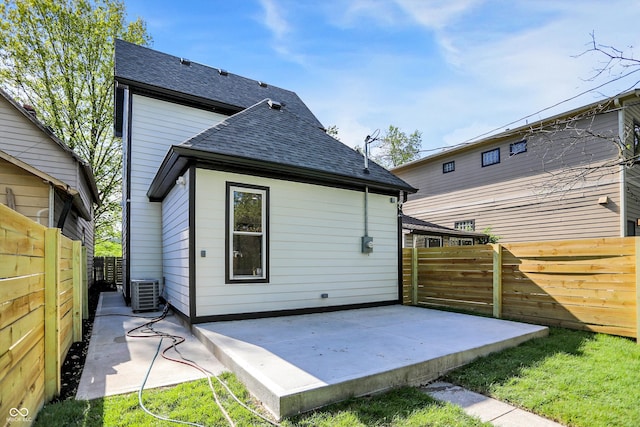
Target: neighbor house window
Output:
[(518, 147), (448, 167), (427, 241), (491, 157), (461, 241), (247, 236), (467, 225)]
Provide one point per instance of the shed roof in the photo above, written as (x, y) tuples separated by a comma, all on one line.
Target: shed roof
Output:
[(265, 139), (72, 192), (420, 226)]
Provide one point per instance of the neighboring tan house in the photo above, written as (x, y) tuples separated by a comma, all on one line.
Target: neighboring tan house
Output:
[(238, 201), (560, 178), (418, 233), (42, 178)]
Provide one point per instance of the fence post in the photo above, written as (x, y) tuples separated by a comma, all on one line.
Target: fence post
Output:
[(77, 291), (637, 290), (51, 341), (414, 276), (85, 284), (497, 280)]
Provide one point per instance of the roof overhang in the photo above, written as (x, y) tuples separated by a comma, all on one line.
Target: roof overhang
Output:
[(56, 183), (440, 231), (180, 157)]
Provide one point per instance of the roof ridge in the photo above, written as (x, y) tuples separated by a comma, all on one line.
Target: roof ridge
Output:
[(192, 62)]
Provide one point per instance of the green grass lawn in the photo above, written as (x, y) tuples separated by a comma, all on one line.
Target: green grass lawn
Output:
[(576, 378), (193, 402)]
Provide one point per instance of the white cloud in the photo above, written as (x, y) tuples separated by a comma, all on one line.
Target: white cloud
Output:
[(274, 20), (437, 14)]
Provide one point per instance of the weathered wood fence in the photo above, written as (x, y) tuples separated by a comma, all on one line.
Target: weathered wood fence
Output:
[(107, 269), (589, 284), (42, 293)]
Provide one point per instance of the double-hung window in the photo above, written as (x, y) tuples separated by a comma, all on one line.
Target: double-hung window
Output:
[(449, 166), (247, 234), (491, 157)]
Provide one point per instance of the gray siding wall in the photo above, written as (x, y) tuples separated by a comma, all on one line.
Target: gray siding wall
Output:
[(27, 142), (175, 246), (24, 140), (632, 174), (549, 192)]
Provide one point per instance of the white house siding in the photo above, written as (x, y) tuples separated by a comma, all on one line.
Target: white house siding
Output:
[(315, 248), (175, 246), (156, 125)]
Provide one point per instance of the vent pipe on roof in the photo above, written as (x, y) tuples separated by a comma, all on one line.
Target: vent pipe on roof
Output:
[(368, 140), (185, 61), (223, 72), (262, 84)]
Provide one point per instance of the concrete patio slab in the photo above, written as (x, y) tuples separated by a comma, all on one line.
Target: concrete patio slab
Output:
[(117, 364), (297, 363)]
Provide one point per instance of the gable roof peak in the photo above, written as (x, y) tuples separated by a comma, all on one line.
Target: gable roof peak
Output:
[(181, 79)]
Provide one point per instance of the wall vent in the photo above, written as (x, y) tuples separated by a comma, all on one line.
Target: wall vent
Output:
[(145, 295), (274, 105)]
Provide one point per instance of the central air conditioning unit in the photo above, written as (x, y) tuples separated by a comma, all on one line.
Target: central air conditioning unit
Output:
[(145, 295)]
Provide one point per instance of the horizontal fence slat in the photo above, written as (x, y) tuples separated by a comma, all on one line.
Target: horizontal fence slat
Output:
[(35, 262), (18, 265), (20, 307), (16, 287), (585, 284), (15, 386)]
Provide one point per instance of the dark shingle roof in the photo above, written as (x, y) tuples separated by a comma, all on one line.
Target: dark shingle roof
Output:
[(271, 139), (156, 71)]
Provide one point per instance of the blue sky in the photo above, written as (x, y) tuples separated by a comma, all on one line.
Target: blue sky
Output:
[(452, 69)]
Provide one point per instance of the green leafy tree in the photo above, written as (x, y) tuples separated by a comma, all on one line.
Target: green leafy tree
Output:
[(57, 55), (397, 147), (333, 131)]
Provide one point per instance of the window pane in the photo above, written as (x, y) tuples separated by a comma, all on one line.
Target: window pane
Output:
[(448, 167), (518, 147), (247, 209), (491, 157), (434, 242), (247, 256)]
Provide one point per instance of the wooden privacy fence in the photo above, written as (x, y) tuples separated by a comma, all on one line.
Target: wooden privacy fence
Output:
[(41, 299), (590, 284), (107, 269)]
